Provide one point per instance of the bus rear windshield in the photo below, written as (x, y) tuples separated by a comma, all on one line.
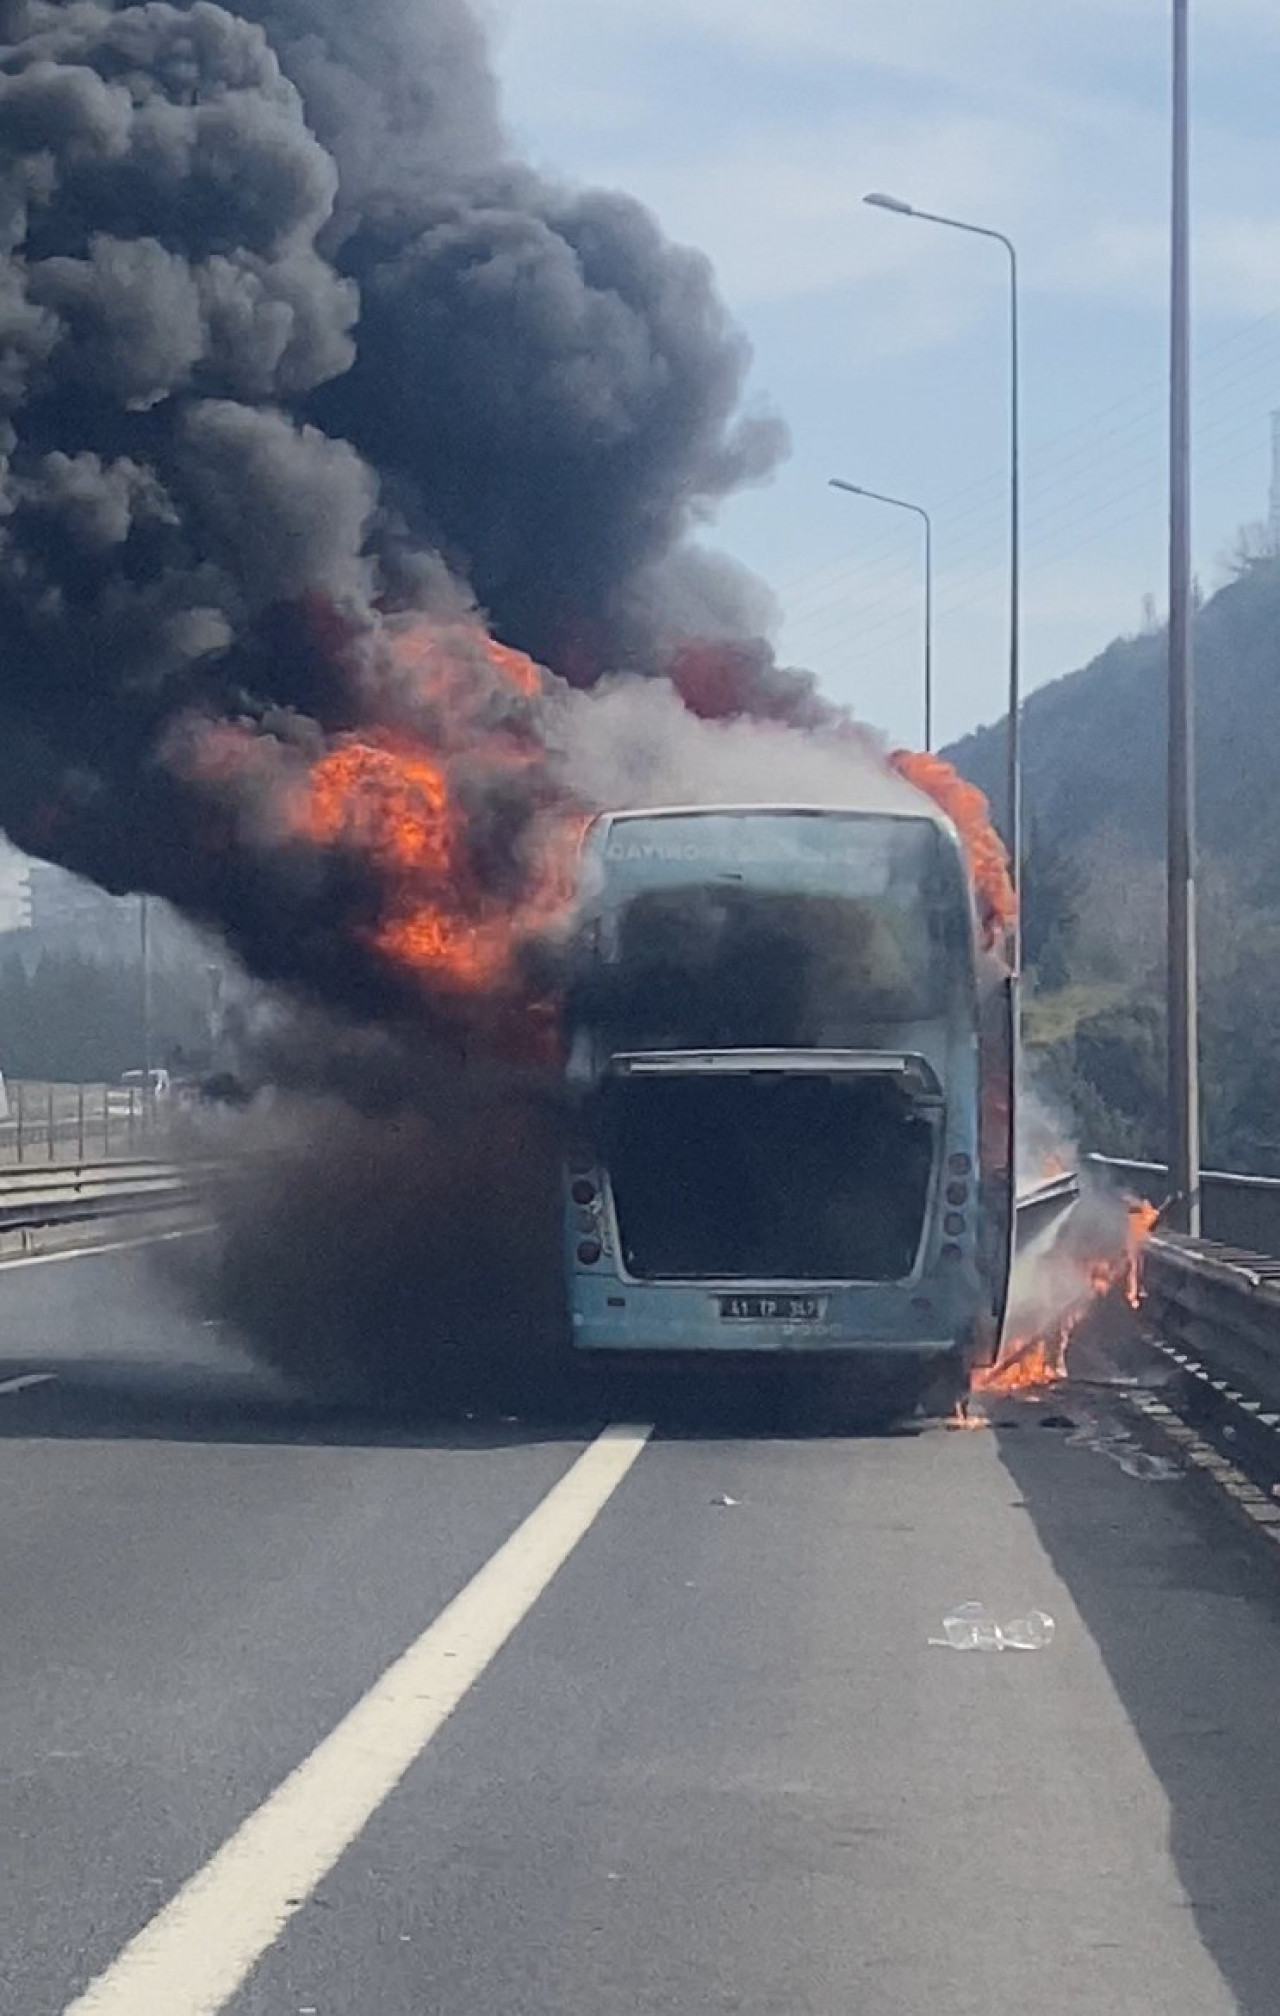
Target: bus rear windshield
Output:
[(730, 962)]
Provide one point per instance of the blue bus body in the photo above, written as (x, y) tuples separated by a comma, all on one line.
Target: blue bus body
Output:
[(794, 1096)]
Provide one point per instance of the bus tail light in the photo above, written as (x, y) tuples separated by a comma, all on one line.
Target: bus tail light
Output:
[(589, 1252), (960, 1165)]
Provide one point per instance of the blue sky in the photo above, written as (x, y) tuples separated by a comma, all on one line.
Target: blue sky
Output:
[(754, 127)]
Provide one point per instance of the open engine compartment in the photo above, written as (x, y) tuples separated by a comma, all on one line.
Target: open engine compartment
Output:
[(773, 1175)]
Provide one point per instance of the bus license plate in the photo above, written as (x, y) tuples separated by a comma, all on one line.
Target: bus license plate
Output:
[(772, 1308)]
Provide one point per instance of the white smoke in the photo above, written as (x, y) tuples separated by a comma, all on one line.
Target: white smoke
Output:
[(1046, 1144), (632, 743)]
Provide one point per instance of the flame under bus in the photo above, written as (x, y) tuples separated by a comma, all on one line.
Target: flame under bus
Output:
[(776, 1046)]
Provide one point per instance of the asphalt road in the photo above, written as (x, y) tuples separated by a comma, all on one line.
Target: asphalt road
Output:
[(717, 1767)]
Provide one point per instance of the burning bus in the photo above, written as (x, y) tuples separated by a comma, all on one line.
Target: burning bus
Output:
[(792, 1061)]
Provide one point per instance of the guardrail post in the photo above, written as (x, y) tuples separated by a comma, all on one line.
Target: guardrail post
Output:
[(53, 1146), (22, 1121), (106, 1123), (80, 1123), (133, 1114)]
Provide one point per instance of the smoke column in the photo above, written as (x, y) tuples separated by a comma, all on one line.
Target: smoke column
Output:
[(292, 347), (318, 408)]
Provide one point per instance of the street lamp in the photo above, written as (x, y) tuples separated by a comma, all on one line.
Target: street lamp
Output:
[(1182, 1004), (917, 511), (1013, 782)]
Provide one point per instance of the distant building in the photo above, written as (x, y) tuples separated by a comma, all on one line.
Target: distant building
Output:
[(14, 892)]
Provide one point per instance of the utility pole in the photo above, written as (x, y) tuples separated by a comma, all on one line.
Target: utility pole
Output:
[(1183, 1030), (144, 934)]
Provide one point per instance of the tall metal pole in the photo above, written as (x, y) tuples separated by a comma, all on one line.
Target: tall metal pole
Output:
[(1183, 1031), (917, 511), (1013, 745), (1013, 740), (928, 631), (144, 931)]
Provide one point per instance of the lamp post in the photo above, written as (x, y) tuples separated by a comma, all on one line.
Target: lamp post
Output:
[(1182, 1004), (918, 511), (1013, 779)]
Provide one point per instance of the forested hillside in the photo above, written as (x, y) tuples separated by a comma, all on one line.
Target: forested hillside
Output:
[(1095, 810)]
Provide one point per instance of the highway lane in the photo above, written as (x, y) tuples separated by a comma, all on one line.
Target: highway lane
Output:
[(197, 1578), (718, 1767)]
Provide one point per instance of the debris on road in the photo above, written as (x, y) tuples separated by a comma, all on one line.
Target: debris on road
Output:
[(971, 1627), (724, 1499)]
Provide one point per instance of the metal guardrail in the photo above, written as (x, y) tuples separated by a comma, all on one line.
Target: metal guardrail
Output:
[(38, 1199), (1237, 1211), (1212, 1307), (1040, 1206), (1215, 1313)]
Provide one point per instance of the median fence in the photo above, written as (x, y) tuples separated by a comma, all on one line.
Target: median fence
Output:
[(77, 1123)]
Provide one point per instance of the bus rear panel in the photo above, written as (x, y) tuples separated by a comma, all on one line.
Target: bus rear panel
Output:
[(774, 1052)]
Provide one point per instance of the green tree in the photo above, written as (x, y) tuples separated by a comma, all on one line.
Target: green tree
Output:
[(1052, 886)]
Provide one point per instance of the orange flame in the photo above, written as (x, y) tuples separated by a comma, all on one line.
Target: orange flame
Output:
[(388, 799), (970, 814), (1040, 1359), (1143, 1219), (391, 798)]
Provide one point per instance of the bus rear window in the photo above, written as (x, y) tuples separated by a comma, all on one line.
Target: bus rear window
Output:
[(723, 967)]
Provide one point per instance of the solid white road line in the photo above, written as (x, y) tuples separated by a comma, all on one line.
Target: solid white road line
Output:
[(27, 1381), (193, 1957), (114, 1246)]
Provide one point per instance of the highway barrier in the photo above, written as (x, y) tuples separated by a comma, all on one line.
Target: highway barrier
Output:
[(38, 1199), (1219, 1300), (1214, 1313), (1212, 1305), (1238, 1211)]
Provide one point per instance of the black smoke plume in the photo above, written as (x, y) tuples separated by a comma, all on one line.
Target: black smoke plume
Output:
[(394, 1234), (294, 352), (290, 347)]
